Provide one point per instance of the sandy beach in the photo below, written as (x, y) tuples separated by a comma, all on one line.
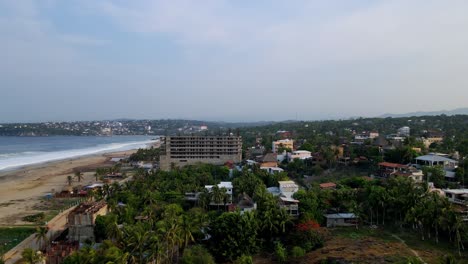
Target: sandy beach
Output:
[(22, 189)]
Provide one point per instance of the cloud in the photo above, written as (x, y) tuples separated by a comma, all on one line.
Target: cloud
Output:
[(233, 59)]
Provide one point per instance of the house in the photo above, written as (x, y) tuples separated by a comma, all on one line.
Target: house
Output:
[(284, 143), (457, 196), (341, 219), (269, 160), (272, 170), (246, 204), (284, 192), (299, 154), (435, 159), (287, 189), (388, 169), (373, 134), (227, 185), (327, 185)]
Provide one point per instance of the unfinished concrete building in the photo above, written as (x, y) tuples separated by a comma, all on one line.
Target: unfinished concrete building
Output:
[(81, 220), (188, 150)]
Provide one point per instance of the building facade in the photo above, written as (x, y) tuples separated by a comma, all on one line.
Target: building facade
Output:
[(188, 150), (285, 143), (82, 219)]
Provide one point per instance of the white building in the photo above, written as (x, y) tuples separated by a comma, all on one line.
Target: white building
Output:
[(299, 154), (458, 196), (284, 193), (226, 185), (404, 131), (272, 170), (432, 159)]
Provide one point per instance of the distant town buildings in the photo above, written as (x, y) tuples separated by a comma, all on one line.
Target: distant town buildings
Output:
[(189, 150)]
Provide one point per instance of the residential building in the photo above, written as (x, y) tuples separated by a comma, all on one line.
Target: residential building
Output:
[(284, 192), (388, 169), (429, 140), (246, 204), (373, 134), (284, 143), (341, 219), (81, 220), (404, 131), (287, 190), (269, 160), (188, 150), (272, 170), (228, 186), (457, 196), (299, 154), (434, 159)]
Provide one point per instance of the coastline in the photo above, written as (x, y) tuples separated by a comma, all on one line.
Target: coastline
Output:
[(21, 189)]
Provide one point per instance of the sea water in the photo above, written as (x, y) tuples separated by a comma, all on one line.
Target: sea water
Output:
[(17, 152)]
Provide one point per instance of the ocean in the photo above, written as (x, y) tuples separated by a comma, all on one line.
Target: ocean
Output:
[(17, 152)]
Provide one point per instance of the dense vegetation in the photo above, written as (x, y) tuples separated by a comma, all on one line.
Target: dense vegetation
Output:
[(151, 222)]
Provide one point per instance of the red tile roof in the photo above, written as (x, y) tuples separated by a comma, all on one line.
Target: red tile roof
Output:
[(392, 165), (327, 185)]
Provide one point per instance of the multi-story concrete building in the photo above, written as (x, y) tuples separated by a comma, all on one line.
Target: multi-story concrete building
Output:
[(188, 150), (82, 219)]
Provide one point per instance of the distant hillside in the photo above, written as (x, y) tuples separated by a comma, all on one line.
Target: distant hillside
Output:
[(458, 111)]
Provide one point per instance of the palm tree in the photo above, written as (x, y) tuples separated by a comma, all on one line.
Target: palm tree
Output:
[(186, 228), (204, 198), (69, 180), (79, 175), (41, 235), (218, 194)]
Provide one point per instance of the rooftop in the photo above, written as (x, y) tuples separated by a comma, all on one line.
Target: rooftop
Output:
[(88, 208), (392, 165), (456, 191), (327, 185), (340, 215), (435, 158)]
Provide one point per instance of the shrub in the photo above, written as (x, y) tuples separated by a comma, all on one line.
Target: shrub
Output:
[(297, 252), (244, 259), (197, 255), (280, 253), (40, 217)]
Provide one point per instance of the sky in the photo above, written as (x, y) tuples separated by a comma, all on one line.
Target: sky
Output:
[(238, 60)]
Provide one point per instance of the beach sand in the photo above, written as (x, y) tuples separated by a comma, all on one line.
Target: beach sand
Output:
[(23, 189)]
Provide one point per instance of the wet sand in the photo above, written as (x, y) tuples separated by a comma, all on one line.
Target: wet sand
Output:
[(22, 189)]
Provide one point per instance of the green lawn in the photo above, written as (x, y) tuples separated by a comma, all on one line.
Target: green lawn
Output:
[(12, 236)]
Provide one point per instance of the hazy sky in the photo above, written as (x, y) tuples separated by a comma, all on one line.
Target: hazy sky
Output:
[(239, 60)]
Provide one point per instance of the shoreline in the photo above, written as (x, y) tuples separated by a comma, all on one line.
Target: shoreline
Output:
[(72, 154), (22, 189)]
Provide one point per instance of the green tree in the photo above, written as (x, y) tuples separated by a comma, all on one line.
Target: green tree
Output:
[(69, 180), (79, 175), (41, 236), (234, 234)]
